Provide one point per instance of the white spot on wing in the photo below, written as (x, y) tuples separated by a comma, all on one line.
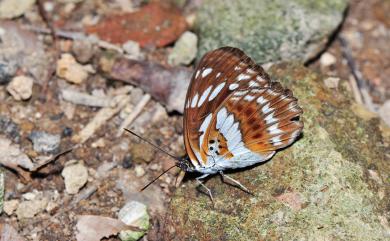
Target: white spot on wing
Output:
[(260, 79), (243, 77), (219, 74), (266, 109), (237, 68), (206, 72), (261, 100), (249, 97), (233, 86), (250, 71), (253, 84), (240, 93), (221, 116), (197, 74), (274, 130), (204, 95), (216, 91), (276, 139), (270, 118), (194, 100), (227, 124)]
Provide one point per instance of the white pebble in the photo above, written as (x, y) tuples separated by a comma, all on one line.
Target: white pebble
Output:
[(20, 87)]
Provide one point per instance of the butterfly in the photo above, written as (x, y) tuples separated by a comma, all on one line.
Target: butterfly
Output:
[(234, 116)]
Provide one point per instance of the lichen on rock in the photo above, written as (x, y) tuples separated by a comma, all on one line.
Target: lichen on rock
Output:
[(332, 183), (269, 30)]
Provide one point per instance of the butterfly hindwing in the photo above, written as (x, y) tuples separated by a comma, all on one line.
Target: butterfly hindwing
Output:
[(234, 115)]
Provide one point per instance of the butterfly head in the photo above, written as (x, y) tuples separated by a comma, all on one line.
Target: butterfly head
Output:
[(184, 164)]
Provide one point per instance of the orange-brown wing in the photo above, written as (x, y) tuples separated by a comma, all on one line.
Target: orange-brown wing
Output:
[(251, 125), (218, 74)]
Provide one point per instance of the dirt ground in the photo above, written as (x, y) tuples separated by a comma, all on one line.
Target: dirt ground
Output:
[(119, 165)]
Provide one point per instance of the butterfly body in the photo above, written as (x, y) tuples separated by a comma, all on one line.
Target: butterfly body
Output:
[(235, 116)]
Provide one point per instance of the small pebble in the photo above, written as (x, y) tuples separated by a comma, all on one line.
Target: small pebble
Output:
[(332, 82), (83, 50), (70, 70), (10, 206), (75, 177), (139, 171), (20, 87), (45, 142), (67, 131), (134, 214), (29, 209), (127, 162), (185, 49), (6, 72), (327, 59), (99, 143), (132, 49)]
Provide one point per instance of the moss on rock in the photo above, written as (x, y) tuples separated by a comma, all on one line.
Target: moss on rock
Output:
[(333, 183)]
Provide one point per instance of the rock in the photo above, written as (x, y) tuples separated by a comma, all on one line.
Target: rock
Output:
[(139, 171), (21, 49), (142, 152), (76, 176), (83, 50), (45, 142), (28, 209), (12, 9), (9, 128), (20, 87), (70, 70), (185, 49), (127, 161), (6, 72), (323, 181), (12, 157), (384, 112), (332, 82), (327, 59), (270, 30), (1, 190), (10, 206), (132, 49), (134, 214)]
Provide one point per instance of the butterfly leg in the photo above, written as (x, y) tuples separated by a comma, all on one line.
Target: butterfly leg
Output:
[(198, 179), (235, 182)]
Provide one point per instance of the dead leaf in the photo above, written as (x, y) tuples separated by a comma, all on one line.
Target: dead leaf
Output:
[(94, 228)]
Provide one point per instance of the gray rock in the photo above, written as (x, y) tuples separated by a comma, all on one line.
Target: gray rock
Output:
[(185, 49), (45, 142), (21, 49), (269, 30), (7, 70), (132, 49), (9, 128), (12, 156)]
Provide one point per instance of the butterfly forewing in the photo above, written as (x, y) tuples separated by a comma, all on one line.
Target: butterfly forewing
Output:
[(218, 74), (234, 115)]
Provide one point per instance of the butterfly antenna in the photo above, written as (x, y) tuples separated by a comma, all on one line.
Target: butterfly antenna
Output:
[(156, 178), (153, 145)]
